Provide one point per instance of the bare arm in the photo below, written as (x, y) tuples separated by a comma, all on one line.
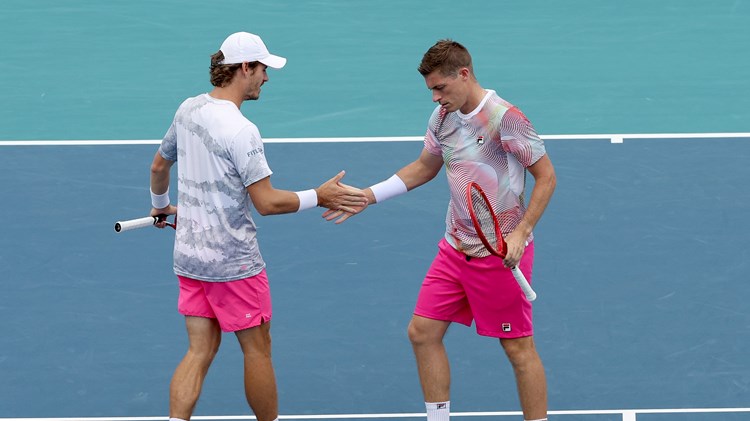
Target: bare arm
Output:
[(270, 201), (422, 170), (544, 185), (160, 168), (419, 172), (331, 194), (160, 174)]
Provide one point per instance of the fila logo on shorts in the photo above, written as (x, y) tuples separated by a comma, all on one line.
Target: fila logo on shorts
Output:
[(480, 141), (506, 327)]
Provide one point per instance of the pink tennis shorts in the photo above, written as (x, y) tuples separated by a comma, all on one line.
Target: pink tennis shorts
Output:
[(237, 305), (479, 289)]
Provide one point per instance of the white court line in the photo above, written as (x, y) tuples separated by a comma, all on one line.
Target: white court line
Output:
[(613, 138), (627, 414)]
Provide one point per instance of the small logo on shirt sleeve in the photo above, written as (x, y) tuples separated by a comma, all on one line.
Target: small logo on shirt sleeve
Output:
[(480, 140)]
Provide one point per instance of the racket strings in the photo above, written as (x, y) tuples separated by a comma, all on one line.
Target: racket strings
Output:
[(484, 216)]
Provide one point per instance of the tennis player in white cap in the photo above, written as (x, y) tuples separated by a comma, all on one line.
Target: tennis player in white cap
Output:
[(222, 176)]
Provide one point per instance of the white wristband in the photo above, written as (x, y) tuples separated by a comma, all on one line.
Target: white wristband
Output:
[(389, 188), (160, 201), (308, 199)]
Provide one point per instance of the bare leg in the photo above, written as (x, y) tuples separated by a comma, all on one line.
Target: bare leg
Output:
[(530, 379), (260, 380), (426, 336), (205, 337)]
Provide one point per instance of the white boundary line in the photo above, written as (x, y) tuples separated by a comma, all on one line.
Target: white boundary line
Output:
[(613, 138), (627, 415)]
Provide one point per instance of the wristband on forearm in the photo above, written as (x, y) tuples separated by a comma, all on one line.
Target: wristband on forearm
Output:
[(308, 199), (389, 188), (160, 201)]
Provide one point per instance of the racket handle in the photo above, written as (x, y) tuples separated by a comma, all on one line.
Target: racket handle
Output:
[(523, 283), (135, 223)]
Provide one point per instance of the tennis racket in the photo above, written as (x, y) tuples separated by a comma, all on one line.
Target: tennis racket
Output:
[(488, 229), (148, 221)]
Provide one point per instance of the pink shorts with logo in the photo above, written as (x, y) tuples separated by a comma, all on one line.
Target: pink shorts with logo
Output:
[(237, 305), (480, 289)]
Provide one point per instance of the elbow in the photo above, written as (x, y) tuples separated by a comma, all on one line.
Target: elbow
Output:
[(159, 168), (263, 209), (264, 212), (268, 207), (550, 183)]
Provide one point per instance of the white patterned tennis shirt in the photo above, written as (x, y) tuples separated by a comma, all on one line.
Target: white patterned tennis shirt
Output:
[(219, 152)]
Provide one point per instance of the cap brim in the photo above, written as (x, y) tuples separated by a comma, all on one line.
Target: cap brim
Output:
[(273, 61)]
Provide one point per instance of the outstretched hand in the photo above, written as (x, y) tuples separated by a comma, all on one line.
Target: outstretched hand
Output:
[(337, 196)]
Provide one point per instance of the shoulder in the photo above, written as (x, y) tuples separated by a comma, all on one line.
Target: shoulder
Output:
[(438, 117), (509, 115), (436, 113)]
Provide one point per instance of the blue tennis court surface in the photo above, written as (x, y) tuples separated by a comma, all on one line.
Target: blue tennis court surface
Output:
[(642, 256)]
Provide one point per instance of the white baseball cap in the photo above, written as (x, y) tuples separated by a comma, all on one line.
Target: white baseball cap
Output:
[(243, 47)]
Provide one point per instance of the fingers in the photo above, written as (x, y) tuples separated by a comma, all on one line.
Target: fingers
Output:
[(334, 195), (162, 216), (338, 176), (513, 257), (354, 192), (339, 215), (342, 200), (332, 214), (509, 263), (350, 201), (343, 218), (348, 209)]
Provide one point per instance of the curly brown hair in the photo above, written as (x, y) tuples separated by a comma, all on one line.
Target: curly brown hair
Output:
[(222, 74), (447, 56)]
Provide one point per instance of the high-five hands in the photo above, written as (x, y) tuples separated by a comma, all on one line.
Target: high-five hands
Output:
[(341, 215), (341, 198)]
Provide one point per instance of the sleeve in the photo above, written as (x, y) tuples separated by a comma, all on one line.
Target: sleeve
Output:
[(168, 147), (520, 139), (248, 156), (431, 142)]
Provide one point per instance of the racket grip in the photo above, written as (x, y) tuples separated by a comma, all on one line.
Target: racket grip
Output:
[(135, 223), (523, 283)]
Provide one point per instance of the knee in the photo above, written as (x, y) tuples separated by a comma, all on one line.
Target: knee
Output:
[(205, 352), (420, 334), (261, 347), (256, 342), (521, 353)]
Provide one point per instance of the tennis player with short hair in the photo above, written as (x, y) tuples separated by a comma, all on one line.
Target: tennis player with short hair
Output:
[(222, 174), (479, 137)]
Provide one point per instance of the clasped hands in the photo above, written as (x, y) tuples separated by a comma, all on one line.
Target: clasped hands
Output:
[(342, 200)]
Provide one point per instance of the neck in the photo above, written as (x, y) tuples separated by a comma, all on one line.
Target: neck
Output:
[(228, 94), (476, 94)]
